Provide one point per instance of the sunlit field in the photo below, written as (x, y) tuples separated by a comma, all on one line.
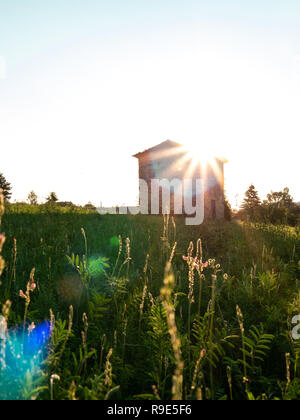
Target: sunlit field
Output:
[(119, 307)]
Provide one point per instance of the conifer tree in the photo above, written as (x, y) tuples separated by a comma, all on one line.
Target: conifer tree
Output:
[(252, 204), (5, 187)]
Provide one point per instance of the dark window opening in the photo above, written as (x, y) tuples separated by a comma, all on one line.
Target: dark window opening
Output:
[(213, 209)]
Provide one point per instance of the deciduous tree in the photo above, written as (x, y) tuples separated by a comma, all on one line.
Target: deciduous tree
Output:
[(32, 198), (52, 198)]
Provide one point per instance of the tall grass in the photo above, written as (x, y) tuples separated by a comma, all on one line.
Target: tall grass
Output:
[(139, 307)]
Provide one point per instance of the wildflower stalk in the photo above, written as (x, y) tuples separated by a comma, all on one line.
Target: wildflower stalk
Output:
[(229, 378), (288, 369), (52, 379), (85, 243), (103, 342), (119, 255), (124, 342), (3, 333), (196, 370), (69, 332), (201, 278), (52, 321), (191, 293), (165, 238), (173, 253), (2, 236), (72, 392), (142, 306), (31, 286), (14, 263), (240, 318), (155, 392), (166, 293), (174, 228), (199, 270), (211, 328), (84, 339), (127, 259), (194, 263), (108, 370)]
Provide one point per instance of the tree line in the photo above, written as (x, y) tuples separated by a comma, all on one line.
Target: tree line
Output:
[(278, 208), (32, 197)]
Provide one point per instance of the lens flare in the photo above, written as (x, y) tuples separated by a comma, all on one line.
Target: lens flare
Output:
[(114, 242), (172, 160), (97, 266), (70, 288), (23, 353)]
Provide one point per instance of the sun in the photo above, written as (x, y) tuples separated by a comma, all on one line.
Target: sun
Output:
[(202, 160), (197, 157), (199, 154)]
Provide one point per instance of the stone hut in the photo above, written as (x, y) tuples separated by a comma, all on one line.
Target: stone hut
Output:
[(170, 160)]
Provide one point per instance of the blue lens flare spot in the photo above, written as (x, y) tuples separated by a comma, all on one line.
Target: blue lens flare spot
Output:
[(23, 352)]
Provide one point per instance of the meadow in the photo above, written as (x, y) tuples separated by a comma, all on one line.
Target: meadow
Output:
[(119, 307)]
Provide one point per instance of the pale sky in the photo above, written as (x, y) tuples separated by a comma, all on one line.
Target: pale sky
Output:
[(84, 84)]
